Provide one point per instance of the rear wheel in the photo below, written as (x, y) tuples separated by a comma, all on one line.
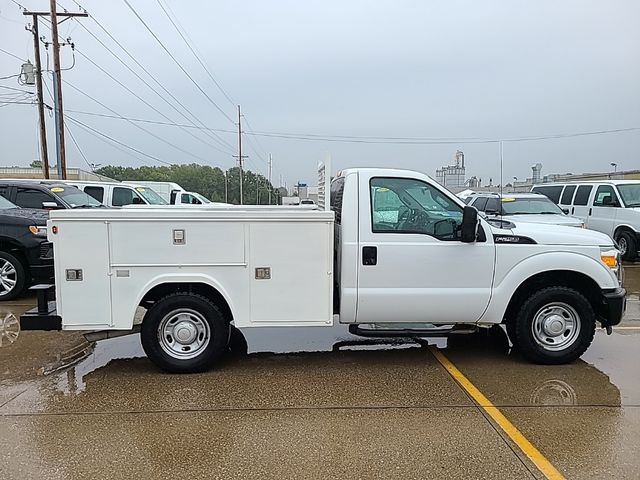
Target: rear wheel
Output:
[(628, 245), (555, 325), (13, 277), (184, 333)]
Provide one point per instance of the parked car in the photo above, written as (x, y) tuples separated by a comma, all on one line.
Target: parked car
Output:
[(189, 198), (116, 194), (523, 207), (167, 190), (611, 207), (45, 195), (26, 256)]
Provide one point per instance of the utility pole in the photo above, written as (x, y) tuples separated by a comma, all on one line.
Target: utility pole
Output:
[(240, 157), (44, 154), (257, 190), (269, 175), (57, 92), (226, 192), (57, 79)]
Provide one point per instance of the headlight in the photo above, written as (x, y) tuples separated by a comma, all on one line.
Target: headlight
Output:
[(610, 256), (38, 231)]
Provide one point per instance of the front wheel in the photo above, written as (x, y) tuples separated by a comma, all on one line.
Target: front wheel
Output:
[(13, 277), (555, 325), (184, 333)]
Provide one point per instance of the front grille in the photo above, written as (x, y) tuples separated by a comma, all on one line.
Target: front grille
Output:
[(46, 250)]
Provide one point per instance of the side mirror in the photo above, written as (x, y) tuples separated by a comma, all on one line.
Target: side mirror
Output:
[(51, 206), (469, 227), (137, 201), (609, 202), (565, 211), (491, 212)]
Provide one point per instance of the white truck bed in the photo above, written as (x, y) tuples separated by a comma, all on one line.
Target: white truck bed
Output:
[(118, 256)]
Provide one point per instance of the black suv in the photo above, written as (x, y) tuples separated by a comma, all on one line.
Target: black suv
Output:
[(45, 195), (26, 256)]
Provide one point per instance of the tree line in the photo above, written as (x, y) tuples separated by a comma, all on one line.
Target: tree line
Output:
[(205, 180)]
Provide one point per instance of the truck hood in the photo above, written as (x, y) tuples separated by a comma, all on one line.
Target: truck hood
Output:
[(547, 219), (549, 234), (38, 217)]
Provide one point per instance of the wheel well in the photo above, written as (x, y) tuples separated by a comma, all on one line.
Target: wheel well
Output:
[(622, 228), (555, 278), (164, 289)]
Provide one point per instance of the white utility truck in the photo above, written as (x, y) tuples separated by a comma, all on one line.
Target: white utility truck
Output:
[(397, 255)]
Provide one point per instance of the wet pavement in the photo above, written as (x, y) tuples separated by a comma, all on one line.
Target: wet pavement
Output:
[(340, 408)]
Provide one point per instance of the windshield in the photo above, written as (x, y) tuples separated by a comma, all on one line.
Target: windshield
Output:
[(75, 197), (527, 206), (151, 196), (4, 203), (630, 194)]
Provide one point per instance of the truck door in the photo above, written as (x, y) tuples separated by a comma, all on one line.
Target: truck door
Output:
[(412, 267), (602, 215)]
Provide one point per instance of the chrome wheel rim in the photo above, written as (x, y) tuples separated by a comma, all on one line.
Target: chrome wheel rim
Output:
[(556, 326), (9, 329), (8, 277), (622, 243), (184, 334)]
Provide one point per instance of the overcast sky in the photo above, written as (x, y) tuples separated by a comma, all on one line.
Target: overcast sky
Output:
[(490, 69)]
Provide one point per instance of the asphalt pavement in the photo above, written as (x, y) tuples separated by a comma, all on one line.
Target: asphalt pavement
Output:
[(323, 404)]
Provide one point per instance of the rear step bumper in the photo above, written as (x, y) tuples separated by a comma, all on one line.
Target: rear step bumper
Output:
[(356, 329), (44, 316)]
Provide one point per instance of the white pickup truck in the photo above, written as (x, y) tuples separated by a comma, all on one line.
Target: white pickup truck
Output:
[(398, 255)]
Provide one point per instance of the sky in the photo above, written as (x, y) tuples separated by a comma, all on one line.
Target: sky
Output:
[(449, 71)]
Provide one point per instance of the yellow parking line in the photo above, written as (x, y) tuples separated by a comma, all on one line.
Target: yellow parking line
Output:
[(626, 327), (539, 460)]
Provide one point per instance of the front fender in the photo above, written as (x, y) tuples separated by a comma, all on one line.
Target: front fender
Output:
[(506, 284)]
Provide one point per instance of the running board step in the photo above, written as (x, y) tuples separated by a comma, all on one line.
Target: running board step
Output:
[(356, 329)]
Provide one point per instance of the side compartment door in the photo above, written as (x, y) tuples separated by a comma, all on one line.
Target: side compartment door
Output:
[(412, 267), (83, 280)]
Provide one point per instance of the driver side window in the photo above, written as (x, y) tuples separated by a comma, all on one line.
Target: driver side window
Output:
[(405, 205)]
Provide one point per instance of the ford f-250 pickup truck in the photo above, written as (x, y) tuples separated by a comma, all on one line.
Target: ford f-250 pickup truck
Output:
[(397, 255)]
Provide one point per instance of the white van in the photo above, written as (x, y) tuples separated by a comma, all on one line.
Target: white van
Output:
[(608, 206), (116, 194)]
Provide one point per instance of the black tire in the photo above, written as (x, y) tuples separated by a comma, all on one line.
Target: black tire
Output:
[(19, 277), (238, 346), (628, 245), (534, 308), (198, 314)]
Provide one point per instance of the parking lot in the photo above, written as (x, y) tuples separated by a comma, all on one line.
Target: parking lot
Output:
[(324, 405)]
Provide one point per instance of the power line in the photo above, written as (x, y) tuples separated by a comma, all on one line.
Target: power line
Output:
[(135, 94), (188, 44), (12, 55), (162, 97), (176, 61), (16, 89), (87, 127), (382, 139), (138, 126), (73, 139)]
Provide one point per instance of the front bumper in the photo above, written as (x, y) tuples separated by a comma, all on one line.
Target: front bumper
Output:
[(613, 305)]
